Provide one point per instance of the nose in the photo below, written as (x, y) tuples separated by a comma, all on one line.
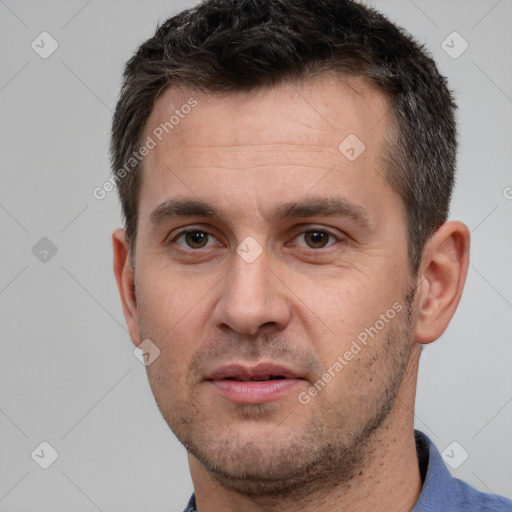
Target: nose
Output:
[(253, 298)]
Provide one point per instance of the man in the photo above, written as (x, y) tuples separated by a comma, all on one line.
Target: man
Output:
[(285, 170)]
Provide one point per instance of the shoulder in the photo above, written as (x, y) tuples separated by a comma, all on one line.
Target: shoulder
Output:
[(473, 500), (442, 491)]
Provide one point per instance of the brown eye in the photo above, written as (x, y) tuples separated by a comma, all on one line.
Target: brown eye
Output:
[(316, 239), (194, 239)]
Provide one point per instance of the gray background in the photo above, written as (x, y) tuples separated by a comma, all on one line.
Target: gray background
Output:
[(68, 373)]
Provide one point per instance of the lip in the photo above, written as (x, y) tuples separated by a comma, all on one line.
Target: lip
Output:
[(234, 382)]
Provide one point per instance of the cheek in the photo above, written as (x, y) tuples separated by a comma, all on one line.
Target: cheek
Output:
[(165, 297), (173, 313), (349, 323), (341, 310)]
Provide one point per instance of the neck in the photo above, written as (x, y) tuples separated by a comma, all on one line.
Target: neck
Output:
[(389, 478)]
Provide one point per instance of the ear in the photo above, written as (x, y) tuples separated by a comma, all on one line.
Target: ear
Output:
[(441, 280), (126, 282)]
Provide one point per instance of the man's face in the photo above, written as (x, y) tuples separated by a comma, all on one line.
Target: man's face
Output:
[(274, 253)]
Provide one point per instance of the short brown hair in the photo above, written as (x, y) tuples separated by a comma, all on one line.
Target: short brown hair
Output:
[(224, 46)]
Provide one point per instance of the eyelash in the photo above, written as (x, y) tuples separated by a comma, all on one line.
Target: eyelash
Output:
[(310, 230), (188, 231)]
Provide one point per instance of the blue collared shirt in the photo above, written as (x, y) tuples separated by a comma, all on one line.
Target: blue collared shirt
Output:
[(441, 492)]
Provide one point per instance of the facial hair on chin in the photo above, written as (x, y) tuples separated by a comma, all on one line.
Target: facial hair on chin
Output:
[(317, 456)]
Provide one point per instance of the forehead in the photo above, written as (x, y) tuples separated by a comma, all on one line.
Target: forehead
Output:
[(275, 137), (317, 112)]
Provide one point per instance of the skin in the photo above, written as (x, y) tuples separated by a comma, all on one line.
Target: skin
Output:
[(352, 446)]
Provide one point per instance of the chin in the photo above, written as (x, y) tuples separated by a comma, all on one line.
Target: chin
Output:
[(260, 468)]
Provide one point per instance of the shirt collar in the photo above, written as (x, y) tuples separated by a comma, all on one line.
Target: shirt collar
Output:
[(440, 490)]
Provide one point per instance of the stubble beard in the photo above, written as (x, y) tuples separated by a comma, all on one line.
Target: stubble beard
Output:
[(332, 447)]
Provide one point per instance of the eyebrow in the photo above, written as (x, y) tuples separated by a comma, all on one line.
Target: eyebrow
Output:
[(310, 207)]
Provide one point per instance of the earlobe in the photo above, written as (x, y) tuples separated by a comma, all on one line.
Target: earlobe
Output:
[(441, 281), (126, 282)]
